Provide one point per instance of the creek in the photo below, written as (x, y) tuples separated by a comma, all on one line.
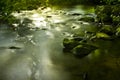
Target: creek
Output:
[(38, 38)]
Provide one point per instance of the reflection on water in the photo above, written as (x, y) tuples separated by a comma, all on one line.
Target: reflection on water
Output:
[(39, 35)]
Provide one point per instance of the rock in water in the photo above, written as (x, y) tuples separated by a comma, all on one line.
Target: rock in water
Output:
[(81, 51), (87, 19), (69, 44), (14, 47)]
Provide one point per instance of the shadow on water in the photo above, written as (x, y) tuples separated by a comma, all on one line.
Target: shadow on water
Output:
[(41, 56)]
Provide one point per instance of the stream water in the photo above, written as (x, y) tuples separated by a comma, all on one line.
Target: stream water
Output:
[(39, 35)]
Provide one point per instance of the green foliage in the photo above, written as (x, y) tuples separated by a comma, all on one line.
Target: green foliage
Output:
[(108, 14), (14, 5), (110, 2), (66, 2), (72, 2), (9, 6)]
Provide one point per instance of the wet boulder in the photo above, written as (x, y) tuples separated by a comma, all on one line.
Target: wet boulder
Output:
[(70, 43), (83, 50), (102, 36), (76, 14), (108, 29), (87, 19)]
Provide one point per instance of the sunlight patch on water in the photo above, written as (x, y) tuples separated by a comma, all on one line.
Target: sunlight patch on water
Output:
[(50, 34), (58, 29), (35, 15), (57, 18), (48, 9), (15, 25), (39, 18), (39, 24), (86, 23), (57, 21), (16, 14)]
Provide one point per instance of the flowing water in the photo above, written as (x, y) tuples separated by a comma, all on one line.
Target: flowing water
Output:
[(39, 35)]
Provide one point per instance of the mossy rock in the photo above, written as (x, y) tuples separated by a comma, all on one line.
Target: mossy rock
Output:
[(87, 19), (108, 29), (101, 35), (83, 50), (70, 43)]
